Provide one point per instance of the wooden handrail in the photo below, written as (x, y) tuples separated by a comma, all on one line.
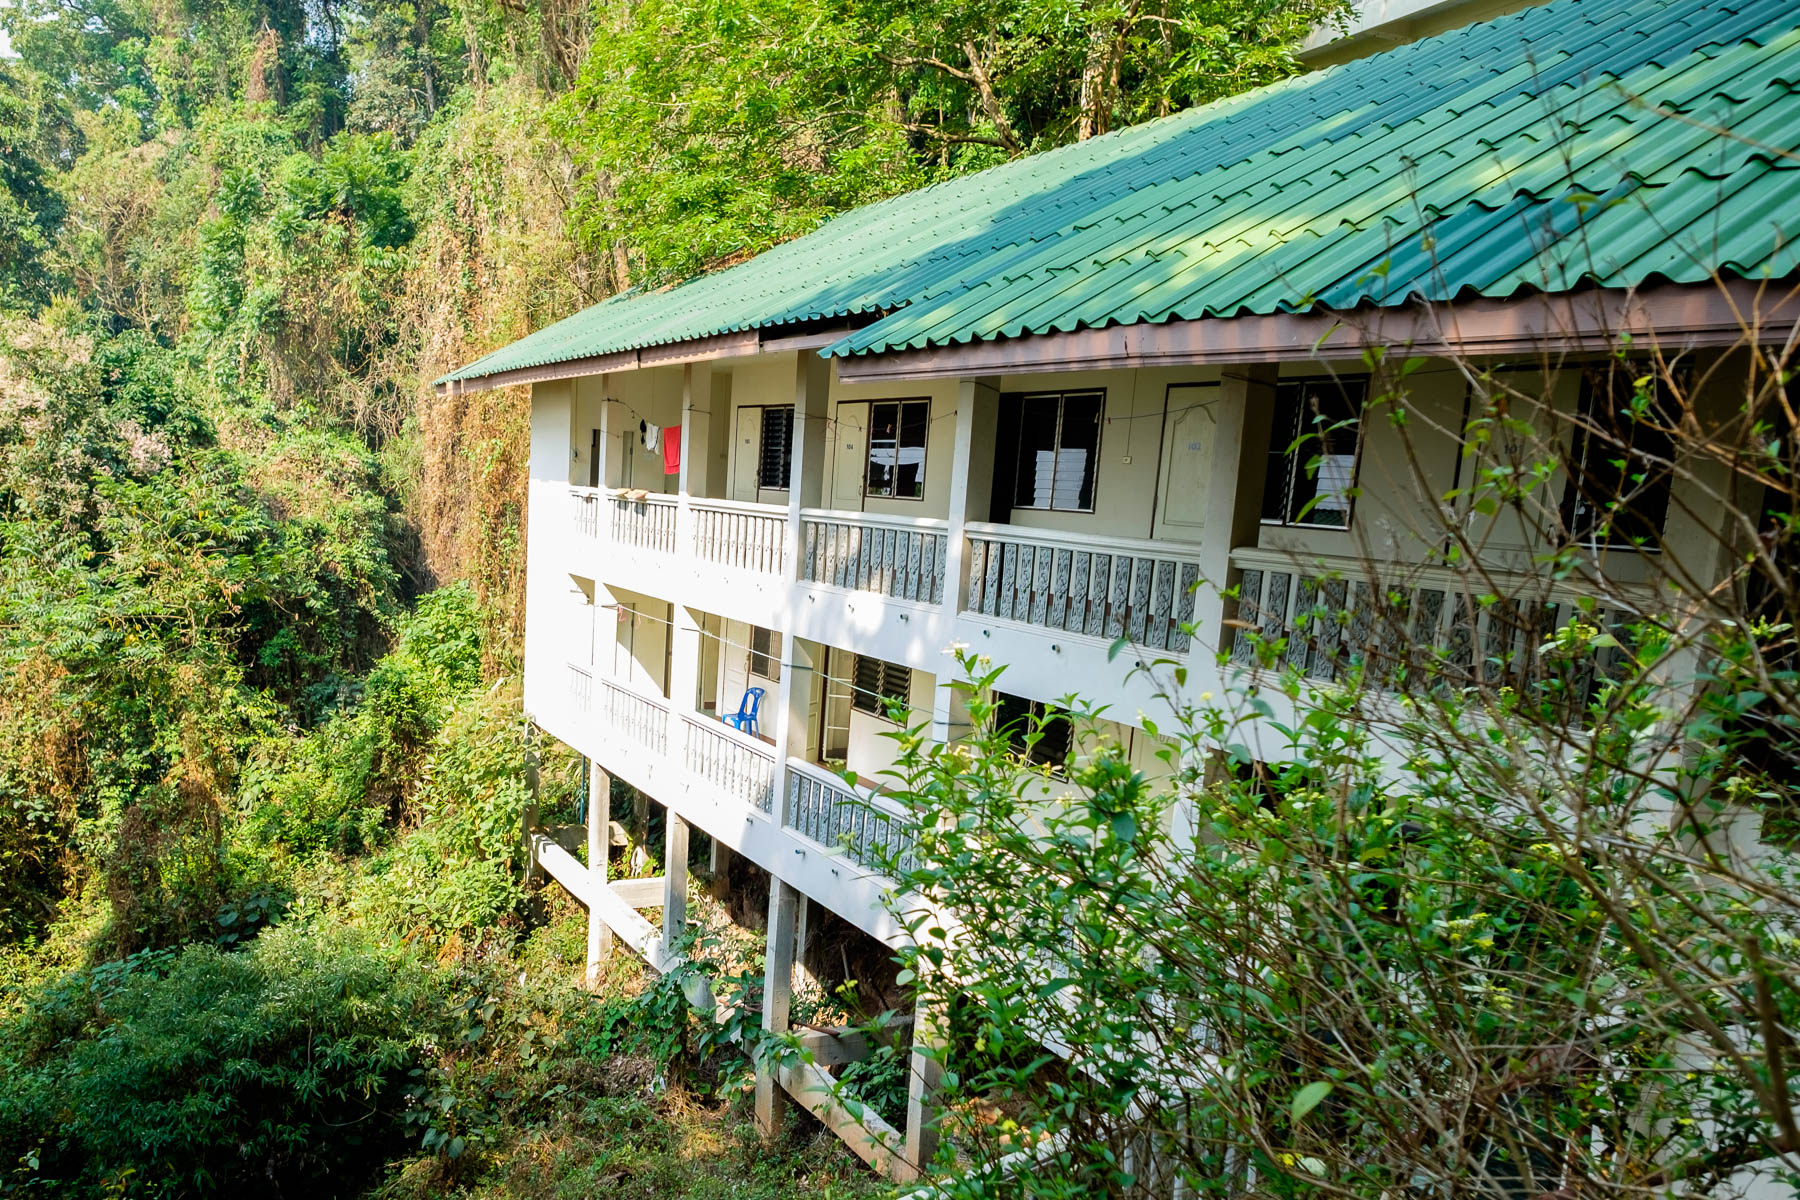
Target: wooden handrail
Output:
[(745, 508), (738, 738), (1473, 580), (836, 516), (1099, 543)]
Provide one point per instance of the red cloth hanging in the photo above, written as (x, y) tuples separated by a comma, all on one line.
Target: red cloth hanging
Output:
[(671, 437)]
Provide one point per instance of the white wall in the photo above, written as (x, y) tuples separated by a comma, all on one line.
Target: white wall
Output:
[(652, 395), (547, 582), (1126, 478), (872, 752), (640, 642)]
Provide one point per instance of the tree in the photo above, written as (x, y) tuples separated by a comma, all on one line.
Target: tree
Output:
[(721, 127), (30, 209)]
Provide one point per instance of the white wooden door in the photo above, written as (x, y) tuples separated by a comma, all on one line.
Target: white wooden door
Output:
[(850, 439), (746, 450), (1190, 429)]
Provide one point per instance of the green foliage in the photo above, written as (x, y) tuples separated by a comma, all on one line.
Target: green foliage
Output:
[(456, 875), (177, 1072), (336, 787), (1298, 968), (166, 596), (30, 208), (725, 126), (243, 235)]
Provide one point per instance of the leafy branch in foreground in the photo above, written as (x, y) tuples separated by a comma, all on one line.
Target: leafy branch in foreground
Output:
[(1502, 913)]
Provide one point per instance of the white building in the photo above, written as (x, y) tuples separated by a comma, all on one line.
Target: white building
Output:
[(1030, 410)]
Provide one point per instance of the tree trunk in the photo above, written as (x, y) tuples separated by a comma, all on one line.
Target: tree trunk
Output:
[(990, 102)]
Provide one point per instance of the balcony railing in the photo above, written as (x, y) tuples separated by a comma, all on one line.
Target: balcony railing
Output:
[(1095, 586), (733, 763), (636, 719), (647, 523), (893, 556), (584, 511), (1430, 627), (871, 830), (581, 688), (735, 534), (640, 739)]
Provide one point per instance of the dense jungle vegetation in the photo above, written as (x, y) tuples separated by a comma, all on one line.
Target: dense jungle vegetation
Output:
[(261, 753)]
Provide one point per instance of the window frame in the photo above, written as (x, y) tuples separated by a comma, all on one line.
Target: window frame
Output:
[(787, 449), (1292, 462), (768, 652), (1581, 441), (1043, 716), (900, 405), (874, 703), (1022, 400)]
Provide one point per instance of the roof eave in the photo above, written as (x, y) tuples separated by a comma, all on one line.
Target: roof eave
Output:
[(742, 344), (1671, 316)]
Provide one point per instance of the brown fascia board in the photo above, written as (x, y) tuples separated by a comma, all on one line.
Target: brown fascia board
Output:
[(1673, 317), (725, 345)]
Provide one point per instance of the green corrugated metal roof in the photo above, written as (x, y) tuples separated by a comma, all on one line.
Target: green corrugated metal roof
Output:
[(1578, 141)]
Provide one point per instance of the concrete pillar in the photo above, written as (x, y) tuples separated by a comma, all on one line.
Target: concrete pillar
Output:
[(778, 995), (1238, 460), (812, 387), (675, 875), (705, 431), (599, 818), (806, 475), (684, 666), (696, 429), (924, 1071), (971, 499), (717, 478), (794, 706), (640, 831)]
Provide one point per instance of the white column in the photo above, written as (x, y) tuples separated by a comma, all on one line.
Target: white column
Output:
[(599, 818), (1237, 463), (705, 432), (806, 475), (778, 994), (802, 915), (696, 384), (608, 470), (1238, 459), (719, 864), (806, 468), (971, 499), (793, 710)]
